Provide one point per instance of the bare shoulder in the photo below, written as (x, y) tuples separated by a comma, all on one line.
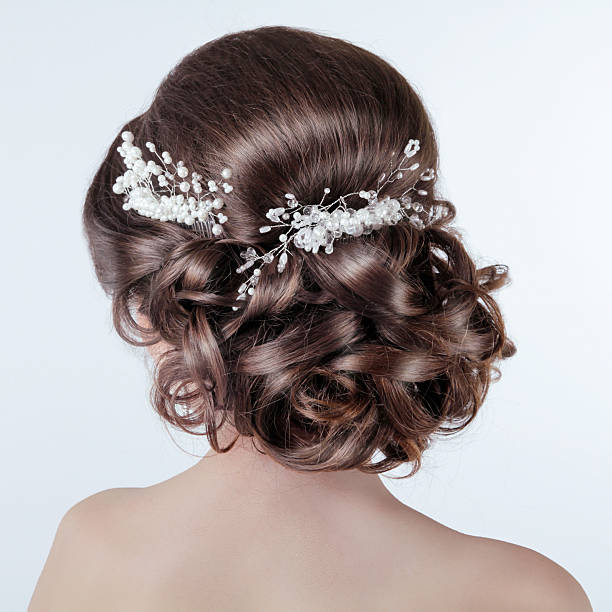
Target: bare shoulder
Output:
[(506, 576), (79, 570), (484, 574)]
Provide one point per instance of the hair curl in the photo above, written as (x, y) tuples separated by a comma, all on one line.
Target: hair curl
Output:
[(379, 345)]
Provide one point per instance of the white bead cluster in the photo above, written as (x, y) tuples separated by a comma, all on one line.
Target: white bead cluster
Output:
[(310, 227), (176, 197)]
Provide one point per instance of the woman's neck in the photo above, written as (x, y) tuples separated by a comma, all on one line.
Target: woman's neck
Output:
[(246, 466)]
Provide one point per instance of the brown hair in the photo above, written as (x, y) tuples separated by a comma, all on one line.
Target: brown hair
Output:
[(381, 344)]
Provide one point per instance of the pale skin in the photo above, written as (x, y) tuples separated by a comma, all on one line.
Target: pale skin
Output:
[(239, 532)]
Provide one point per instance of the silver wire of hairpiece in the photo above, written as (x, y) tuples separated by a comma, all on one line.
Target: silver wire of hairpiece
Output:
[(313, 226), (172, 199)]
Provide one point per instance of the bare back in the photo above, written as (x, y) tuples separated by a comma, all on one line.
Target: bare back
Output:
[(220, 536)]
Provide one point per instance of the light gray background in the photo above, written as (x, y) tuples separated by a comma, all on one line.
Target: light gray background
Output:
[(520, 96)]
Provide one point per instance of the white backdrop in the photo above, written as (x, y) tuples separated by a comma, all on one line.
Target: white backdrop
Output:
[(520, 95)]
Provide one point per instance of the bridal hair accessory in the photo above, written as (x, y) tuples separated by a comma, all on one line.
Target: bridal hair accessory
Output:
[(175, 198), (308, 226)]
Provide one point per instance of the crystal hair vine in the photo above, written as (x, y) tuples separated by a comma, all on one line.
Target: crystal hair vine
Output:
[(308, 226)]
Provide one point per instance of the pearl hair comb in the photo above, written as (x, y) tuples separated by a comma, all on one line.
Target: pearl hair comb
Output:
[(309, 226), (174, 199)]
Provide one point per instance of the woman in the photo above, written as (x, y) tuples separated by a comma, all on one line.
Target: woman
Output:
[(269, 228)]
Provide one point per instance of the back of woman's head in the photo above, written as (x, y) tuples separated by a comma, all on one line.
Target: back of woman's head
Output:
[(378, 345)]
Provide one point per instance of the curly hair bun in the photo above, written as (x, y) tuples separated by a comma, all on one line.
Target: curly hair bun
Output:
[(377, 346)]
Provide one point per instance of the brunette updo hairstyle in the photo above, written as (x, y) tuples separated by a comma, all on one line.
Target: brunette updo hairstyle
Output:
[(387, 341)]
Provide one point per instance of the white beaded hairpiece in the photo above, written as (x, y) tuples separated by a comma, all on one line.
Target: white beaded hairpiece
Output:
[(172, 199), (309, 226), (313, 226)]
